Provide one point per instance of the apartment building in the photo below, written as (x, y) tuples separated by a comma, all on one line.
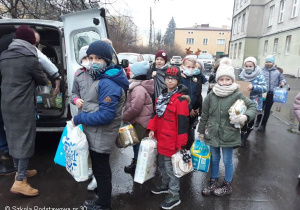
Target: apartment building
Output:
[(267, 27), (208, 39)]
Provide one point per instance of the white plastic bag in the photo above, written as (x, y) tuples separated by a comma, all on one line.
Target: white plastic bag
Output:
[(147, 160), (181, 168), (238, 108), (77, 151)]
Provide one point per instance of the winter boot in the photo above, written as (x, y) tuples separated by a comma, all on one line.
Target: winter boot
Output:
[(93, 184), (24, 188), (213, 184), (170, 201), (161, 188), (262, 128), (131, 168), (224, 189), (258, 119), (30, 173), (4, 170)]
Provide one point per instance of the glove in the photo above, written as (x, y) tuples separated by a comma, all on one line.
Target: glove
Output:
[(184, 147), (201, 136), (185, 155), (240, 119)]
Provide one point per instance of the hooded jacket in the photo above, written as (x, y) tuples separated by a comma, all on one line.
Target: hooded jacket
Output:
[(273, 77), (101, 114), (171, 130), (139, 107)]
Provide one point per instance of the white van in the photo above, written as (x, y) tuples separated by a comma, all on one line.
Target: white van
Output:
[(63, 39)]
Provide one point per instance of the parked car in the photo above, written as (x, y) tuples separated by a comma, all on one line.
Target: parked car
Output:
[(149, 57), (64, 40), (132, 58), (176, 60), (208, 60)]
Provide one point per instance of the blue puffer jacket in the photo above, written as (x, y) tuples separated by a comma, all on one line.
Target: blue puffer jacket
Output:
[(259, 87), (273, 77), (194, 85)]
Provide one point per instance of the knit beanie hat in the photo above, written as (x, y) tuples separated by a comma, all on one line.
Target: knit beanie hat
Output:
[(102, 50), (225, 70), (140, 68), (270, 58), (162, 54), (25, 33), (250, 59), (82, 53), (174, 72)]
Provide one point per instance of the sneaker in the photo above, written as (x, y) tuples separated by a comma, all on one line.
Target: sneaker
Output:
[(160, 189), (131, 168), (93, 205), (93, 184), (262, 128), (170, 201), (4, 170), (224, 189), (213, 184)]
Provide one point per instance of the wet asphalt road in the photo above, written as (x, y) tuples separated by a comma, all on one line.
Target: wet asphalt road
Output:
[(266, 171)]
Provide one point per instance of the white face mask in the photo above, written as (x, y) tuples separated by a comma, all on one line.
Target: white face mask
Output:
[(85, 64)]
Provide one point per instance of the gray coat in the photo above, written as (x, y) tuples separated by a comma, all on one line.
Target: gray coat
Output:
[(81, 84), (21, 72), (273, 77), (102, 138)]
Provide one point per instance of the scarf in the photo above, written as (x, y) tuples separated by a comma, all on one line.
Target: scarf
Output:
[(223, 91), (249, 77), (162, 102)]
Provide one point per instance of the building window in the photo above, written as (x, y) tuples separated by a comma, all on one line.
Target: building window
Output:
[(243, 22), (231, 51), (189, 40), (275, 47), (281, 11), (238, 25), (235, 51), (295, 8), (266, 47), (237, 4), (271, 16), (240, 50), (234, 27), (190, 32), (288, 45), (205, 41), (220, 41), (241, 3), (204, 52)]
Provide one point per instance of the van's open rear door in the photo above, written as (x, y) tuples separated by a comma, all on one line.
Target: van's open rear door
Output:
[(81, 29)]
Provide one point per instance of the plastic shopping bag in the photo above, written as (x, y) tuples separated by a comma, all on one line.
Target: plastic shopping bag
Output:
[(180, 167), (280, 95), (127, 136), (238, 108), (77, 152), (200, 156), (147, 160), (60, 157)]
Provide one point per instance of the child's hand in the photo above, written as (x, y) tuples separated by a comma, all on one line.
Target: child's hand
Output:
[(281, 84), (79, 103), (249, 88), (240, 119), (72, 120), (151, 134), (154, 74), (193, 113), (201, 136)]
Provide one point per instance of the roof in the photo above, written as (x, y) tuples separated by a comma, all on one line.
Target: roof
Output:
[(204, 27), (52, 23)]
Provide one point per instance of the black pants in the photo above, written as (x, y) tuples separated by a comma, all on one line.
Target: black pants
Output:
[(267, 105), (191, 132), (102, 173)]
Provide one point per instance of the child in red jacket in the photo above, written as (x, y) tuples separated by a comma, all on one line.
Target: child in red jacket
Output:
[(170, 127)]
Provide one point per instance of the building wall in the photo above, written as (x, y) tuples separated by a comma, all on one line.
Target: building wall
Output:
[(212, 47)]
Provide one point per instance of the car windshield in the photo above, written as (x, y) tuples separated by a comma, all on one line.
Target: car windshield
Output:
[(176, 57), (205, 56), (130, 57), (146, 57)]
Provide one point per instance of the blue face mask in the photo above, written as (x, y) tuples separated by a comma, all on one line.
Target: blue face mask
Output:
[(249, 70), (197, 71), (96, 68)]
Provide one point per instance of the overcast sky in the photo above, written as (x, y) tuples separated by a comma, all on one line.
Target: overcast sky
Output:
[(185, 12)]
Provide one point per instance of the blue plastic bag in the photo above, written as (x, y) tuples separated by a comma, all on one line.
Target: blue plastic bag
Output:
[(280, 95), (60, 156), (200, 156)]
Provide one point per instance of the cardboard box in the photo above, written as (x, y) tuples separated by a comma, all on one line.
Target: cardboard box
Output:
[(243, 87)]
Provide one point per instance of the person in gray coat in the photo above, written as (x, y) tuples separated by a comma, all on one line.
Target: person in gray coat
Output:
[(21, 72), (274, 78)]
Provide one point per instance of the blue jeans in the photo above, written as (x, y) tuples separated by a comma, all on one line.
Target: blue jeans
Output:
[(227, 160), (3, 141)]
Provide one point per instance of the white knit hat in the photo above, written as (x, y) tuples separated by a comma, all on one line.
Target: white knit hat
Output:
[(226, 60), (225, 70), (82, 53), (250, 59)]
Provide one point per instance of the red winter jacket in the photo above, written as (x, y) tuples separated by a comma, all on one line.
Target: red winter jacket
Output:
[(171, 129)]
